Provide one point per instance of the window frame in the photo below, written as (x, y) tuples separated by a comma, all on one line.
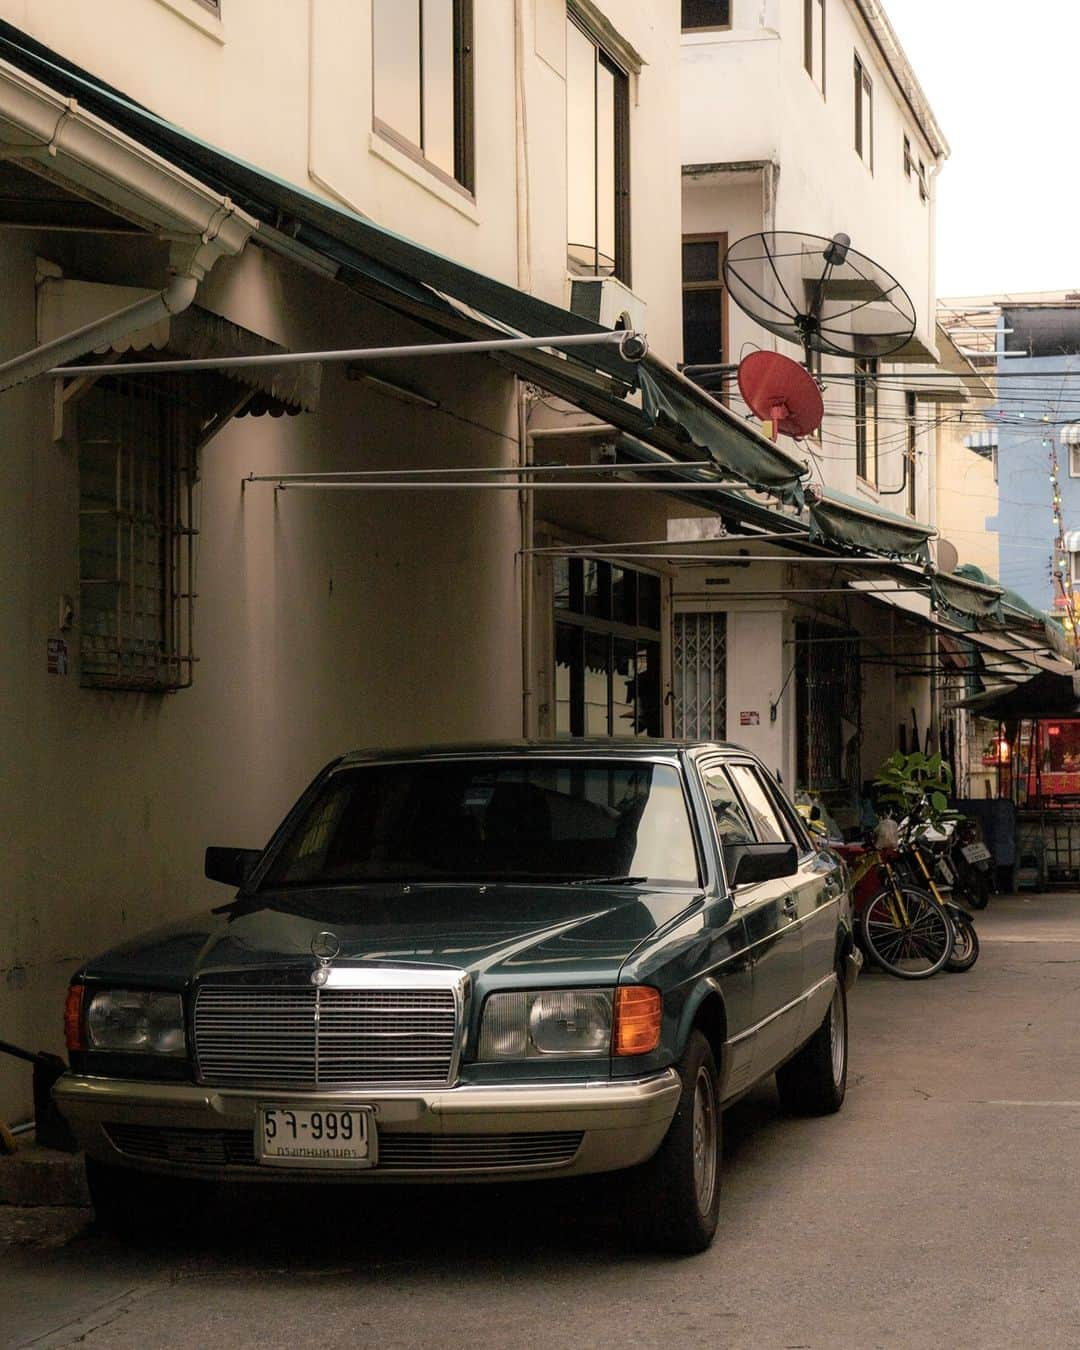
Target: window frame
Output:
[(720, 238), (864, 127), (808, 43), (908, 158), (866, 417), (621, 188), (911, 409), (463, 179), (611, 630), (708, 27)]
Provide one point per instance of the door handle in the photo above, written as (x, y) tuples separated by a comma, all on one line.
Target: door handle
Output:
[(791, 906)]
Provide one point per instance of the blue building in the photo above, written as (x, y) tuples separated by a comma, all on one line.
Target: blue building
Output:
[(1034, 434)]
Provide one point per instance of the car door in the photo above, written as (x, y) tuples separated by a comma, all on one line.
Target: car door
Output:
[(769, 910)]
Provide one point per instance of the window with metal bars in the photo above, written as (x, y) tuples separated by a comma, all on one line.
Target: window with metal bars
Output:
[(138, 444), (699, 660), (828, 700)]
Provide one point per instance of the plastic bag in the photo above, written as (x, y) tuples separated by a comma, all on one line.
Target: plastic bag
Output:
[(887, 834)]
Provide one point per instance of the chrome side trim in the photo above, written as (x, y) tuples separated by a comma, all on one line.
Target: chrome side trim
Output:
[(828, 981)]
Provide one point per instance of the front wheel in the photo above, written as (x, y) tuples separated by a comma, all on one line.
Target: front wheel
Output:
[(965, 950), (676, 1194), (907, 933), (978, 892)]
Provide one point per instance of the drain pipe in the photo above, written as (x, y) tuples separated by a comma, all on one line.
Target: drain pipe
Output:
[(176, 297)]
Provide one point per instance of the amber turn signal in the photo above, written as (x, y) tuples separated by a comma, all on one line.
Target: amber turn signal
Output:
[(73, 1026), (637, 1019)]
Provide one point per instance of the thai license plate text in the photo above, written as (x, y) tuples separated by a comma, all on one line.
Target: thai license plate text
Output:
[(291, 1136)]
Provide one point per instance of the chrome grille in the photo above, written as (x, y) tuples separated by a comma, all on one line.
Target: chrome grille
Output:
[(398, 1152), (331, 1037)]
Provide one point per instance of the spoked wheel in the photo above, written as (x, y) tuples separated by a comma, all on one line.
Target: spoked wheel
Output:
[(965, 950), (907, 933)]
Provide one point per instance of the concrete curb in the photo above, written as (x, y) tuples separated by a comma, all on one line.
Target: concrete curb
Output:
[(37, 1176)]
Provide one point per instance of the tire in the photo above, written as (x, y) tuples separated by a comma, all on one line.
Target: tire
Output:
[(137, 1204), (911, 950), (978, 893), (675, 1196), (814, 1082), (965, 951)]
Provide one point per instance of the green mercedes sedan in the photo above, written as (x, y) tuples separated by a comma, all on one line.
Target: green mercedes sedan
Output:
[(512, 961)]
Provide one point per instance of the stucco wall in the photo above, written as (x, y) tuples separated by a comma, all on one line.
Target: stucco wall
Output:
[(323, 621)]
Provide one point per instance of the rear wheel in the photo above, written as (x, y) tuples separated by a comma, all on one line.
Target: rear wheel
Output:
[(907, 933), (814, 1081), (676, 1194)]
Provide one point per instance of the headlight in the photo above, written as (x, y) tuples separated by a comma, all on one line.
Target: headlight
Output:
[(136, 1021), (548, 1022)]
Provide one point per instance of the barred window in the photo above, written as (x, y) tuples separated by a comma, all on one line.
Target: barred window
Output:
[(138, 442)]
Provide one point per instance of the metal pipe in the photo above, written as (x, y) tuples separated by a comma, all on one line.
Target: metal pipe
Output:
[(404, 486), (354, 354), (359, 475)]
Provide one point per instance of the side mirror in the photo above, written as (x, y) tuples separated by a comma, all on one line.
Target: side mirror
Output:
[(748, 864), (232, 866)]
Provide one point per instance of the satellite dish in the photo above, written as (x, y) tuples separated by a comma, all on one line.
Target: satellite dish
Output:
[(780, 392), (819, 293)]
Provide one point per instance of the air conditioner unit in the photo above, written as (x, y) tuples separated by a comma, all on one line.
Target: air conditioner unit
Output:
[(608, 302)]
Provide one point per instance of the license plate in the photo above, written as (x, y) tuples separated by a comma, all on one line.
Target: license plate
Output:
[(292, 1136), (976, 853)]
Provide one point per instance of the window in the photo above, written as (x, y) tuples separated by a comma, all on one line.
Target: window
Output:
[(866, 420), (864, 115), (704, 299), (923, 190), (607, 650), (422, 82), (698, 14), (137, 442), (907, 157), (767, 823), (732, 824), (912, 434), (1074, 461), (597, 160), (1074, 568), (814, 41)]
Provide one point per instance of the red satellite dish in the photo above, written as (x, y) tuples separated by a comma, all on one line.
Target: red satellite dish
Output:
[(779, 391)]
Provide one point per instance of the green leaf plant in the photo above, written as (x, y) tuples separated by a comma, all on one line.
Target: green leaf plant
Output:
[(919, 786)]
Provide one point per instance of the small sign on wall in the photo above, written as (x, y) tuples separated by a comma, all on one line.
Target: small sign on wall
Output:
[(749, 719), (56, 656)]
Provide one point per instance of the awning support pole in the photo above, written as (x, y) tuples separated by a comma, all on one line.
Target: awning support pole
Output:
[(623, 339)]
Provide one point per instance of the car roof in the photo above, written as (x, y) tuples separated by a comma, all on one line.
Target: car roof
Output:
[(578, 747)]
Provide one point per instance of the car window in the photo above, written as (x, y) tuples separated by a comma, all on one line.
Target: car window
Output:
[(763, 813), (491, 819), (789, 818), (732, 823)]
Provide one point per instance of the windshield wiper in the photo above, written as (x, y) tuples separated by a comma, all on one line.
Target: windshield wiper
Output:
[(607, 881)]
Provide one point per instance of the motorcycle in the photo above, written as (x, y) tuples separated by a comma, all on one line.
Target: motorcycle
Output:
[(972, 864)]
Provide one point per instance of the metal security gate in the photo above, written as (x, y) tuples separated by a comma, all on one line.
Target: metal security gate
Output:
[(700, 676), (828, 707)]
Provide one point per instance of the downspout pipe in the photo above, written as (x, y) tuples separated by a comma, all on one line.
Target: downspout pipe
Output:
[(176, 297)]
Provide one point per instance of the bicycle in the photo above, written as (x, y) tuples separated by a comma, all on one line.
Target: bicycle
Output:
[(965, 950), (903, 928)]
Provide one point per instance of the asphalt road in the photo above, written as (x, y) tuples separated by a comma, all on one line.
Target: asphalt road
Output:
[(939, 1208)]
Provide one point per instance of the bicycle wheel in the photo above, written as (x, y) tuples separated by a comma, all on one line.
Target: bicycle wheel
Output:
[(907, 933), (965, 951)]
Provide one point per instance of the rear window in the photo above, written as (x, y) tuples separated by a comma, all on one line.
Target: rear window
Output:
[(489, 820)]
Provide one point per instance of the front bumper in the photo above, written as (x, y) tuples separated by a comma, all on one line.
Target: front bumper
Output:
[(468, 1132)]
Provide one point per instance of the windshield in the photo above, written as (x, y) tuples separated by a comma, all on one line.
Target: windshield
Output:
[(493, 820)]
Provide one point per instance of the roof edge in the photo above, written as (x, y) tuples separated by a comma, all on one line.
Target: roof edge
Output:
[(900, 68)]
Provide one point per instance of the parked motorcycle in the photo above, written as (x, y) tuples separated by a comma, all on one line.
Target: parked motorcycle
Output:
[(972, 864)]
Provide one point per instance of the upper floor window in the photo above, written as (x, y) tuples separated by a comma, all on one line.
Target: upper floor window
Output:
[(866, 420), (814, 41), (908, 161), (698, 14), (703, 300), (864, 115), (422, 82), (924, 191), (911, 409), (597, 159)]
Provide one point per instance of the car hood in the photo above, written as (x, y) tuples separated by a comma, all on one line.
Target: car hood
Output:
[(495, 931)]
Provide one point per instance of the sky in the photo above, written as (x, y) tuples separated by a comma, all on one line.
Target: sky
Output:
[(1001, 80)]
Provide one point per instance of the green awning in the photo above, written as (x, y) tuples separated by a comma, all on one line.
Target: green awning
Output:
[(853, 523), (423, 283), (967, 603)]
